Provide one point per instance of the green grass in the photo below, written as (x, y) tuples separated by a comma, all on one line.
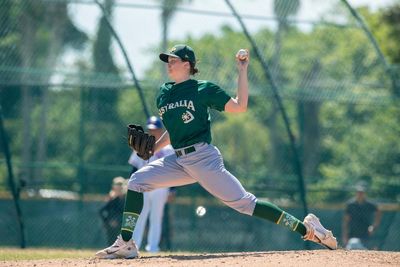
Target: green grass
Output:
[(16, 254), (7, 254)]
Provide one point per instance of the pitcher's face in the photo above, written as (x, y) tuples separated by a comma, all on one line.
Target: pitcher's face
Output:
[(177, 68)]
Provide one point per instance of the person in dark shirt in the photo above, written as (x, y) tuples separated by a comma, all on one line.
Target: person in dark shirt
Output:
[(360, 221), (111, 212)]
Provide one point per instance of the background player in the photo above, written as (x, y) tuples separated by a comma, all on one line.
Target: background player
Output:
[(153, 201), (184, 107), (360, 221), (111, 212)]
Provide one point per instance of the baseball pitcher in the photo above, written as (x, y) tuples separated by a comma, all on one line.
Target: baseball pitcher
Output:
[(184, 106)]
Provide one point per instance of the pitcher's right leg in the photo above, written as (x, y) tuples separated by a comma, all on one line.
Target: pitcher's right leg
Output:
[(165, 172)]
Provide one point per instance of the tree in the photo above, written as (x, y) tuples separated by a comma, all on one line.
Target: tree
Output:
[(327, 77), (29, 15), (384, 25), (103, 100), (41, 33), (391, 16), (168, 9), (243, 155), (283, 9), (62, 34), (9, 36)]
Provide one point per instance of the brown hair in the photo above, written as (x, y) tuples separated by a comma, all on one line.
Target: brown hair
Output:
[(193, 70)]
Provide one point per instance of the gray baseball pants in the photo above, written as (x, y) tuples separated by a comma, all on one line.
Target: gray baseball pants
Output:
[(204, 166)]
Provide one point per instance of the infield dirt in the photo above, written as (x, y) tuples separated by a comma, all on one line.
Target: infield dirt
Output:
[(320, 258)]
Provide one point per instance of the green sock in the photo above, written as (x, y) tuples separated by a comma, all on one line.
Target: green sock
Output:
[(270, 212), (133, 207)]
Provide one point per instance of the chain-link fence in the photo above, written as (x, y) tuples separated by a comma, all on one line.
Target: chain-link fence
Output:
[(67, 94)]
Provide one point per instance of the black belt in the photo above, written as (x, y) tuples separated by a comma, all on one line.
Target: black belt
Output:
[(185, 151)]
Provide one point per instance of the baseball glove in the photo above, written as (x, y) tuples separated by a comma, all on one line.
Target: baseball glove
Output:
[(143, 143)]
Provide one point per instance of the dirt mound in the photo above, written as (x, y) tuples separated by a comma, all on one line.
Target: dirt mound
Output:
[(321, 258)]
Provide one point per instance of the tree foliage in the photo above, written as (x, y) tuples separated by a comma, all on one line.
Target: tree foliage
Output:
[(335, 89), (345, 133)]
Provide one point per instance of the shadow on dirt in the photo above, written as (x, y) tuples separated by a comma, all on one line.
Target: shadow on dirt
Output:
[(213, 256)]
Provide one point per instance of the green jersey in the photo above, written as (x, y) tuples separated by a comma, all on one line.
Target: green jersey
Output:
[(184, 109)]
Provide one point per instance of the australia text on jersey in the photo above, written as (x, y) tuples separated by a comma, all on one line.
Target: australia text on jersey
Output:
[(182, 103)]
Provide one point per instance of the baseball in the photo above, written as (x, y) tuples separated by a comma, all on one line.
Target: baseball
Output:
[(242, 54), (201, 211)]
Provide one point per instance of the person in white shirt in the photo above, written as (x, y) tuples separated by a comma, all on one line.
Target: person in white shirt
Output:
[(153, 201)]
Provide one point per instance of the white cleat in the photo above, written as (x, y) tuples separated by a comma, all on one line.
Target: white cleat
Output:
[(119, 250), (317, 233)]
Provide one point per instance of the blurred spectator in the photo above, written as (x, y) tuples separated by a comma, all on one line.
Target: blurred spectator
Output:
[(153, 201), (361, 219), (111, 212)]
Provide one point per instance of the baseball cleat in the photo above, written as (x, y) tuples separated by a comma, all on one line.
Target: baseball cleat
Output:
[(119, 250), (317, 233)]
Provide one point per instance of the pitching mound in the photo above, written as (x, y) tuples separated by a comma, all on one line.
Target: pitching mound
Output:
[(318, 258)]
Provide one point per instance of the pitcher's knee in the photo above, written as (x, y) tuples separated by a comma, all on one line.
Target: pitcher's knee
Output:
[(243, 205), (135, 184)]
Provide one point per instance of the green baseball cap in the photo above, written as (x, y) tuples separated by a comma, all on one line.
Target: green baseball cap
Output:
[(184, 52)]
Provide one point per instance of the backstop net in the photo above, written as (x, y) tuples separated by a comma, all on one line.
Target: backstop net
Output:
[(67, 94)]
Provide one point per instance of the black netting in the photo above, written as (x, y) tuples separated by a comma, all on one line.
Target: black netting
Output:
[(67, 94)]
